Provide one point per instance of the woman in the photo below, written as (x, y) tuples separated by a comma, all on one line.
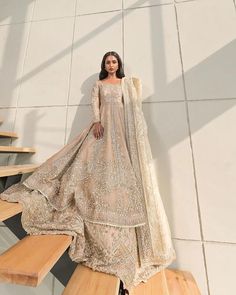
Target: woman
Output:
[(101, 188)]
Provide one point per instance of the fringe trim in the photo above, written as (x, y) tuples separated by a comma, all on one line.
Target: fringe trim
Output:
[(115, 225)]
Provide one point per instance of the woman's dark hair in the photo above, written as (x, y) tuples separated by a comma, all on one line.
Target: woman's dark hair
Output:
[(119, 73)]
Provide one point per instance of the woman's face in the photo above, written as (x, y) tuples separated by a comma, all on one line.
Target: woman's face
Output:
[(111, 64)]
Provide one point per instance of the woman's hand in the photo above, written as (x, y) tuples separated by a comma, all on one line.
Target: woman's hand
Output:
[(98, 130)]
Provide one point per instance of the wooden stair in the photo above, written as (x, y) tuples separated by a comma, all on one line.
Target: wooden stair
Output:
[(29, 260), (7, 134), (17, 169), (87, 281), (168, 282), (8, 209), (15, 149)]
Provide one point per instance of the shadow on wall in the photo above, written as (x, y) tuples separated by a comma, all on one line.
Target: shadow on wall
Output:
[(198, 84), (12, 13), (199, 74), (202, 87), (13, 39), (203, 81), (83, 115)]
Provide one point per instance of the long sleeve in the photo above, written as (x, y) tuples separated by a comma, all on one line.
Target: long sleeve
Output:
[(95, 102)]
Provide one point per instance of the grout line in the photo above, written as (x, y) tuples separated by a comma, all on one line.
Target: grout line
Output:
[(205, 266), (192, 154), (32, 17), (205, 241), (37, 20), (98, 12), (45, 106), (180, 54), (191, 100), (219, 242), (145, 102), (92, 13), (123, 33), (70, 73), (52, 18), (149, 6), (85, 14), (53, 284), (188, 119), (23, 67), (57, 18), (183, 1)]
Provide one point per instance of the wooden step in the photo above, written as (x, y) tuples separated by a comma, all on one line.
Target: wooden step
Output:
[(87, 281), (8, 134), (15, 149), (17, 169), (8, 209), (168, 282), (29, 260)]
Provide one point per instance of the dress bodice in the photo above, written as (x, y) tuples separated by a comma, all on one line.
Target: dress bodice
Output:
[(110, 93), (104, 94)]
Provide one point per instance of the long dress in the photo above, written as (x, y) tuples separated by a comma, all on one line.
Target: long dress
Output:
[(82, 189)]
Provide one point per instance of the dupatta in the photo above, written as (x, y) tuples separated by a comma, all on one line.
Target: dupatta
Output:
[(155, 236)]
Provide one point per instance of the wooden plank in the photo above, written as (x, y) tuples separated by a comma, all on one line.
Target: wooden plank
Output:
[(87, 281), (183, 281), (29, 260), (8, 134), (15, 149), (17, 169), (155, 285), (8, 209), (168, 282)]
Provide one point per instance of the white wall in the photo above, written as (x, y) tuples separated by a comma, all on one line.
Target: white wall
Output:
[(184, 52)]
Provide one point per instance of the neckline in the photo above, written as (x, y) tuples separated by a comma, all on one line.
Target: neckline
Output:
[(119, 83)]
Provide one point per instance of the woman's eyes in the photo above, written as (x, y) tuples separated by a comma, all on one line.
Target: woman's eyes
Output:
[(114, 62)]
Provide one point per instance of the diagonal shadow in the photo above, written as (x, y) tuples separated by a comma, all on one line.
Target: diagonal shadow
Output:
[(201, 89), (170, 87), (13, 35)]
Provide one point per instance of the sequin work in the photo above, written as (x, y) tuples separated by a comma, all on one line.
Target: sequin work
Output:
[(90, 190)]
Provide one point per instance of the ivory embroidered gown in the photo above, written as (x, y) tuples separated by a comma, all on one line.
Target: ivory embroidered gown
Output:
[(89, 190)]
